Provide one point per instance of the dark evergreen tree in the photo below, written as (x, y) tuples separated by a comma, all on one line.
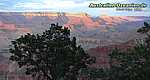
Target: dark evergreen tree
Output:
[(128, 65), (52, 55), (133, 65)]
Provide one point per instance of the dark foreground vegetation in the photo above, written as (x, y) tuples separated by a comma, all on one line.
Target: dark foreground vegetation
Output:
[(54, 55)]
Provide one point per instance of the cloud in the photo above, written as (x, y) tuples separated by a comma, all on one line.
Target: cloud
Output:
[(64, 6), (29, 5), (1, 4), (57, 4)]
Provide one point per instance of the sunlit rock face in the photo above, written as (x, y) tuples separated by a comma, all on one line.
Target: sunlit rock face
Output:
[(90, 31), (97, 35)]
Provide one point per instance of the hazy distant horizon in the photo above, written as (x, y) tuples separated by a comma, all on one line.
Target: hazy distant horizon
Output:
[(76, 6)]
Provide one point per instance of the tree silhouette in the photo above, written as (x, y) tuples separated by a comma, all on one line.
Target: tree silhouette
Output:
[(133, 65), (129, 65), (52, 55)]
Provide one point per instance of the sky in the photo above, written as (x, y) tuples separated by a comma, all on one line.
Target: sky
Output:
[(71, 6)]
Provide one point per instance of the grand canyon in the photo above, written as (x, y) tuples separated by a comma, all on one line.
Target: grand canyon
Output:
[(97, 35)]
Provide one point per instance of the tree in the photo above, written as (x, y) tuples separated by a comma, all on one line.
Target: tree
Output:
[(52, 55), (132, 65), (94, 73), (129, 65)]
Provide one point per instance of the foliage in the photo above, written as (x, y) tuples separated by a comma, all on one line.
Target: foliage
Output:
[(133, 65), (52, 55), (128, 65), (94, 73)]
